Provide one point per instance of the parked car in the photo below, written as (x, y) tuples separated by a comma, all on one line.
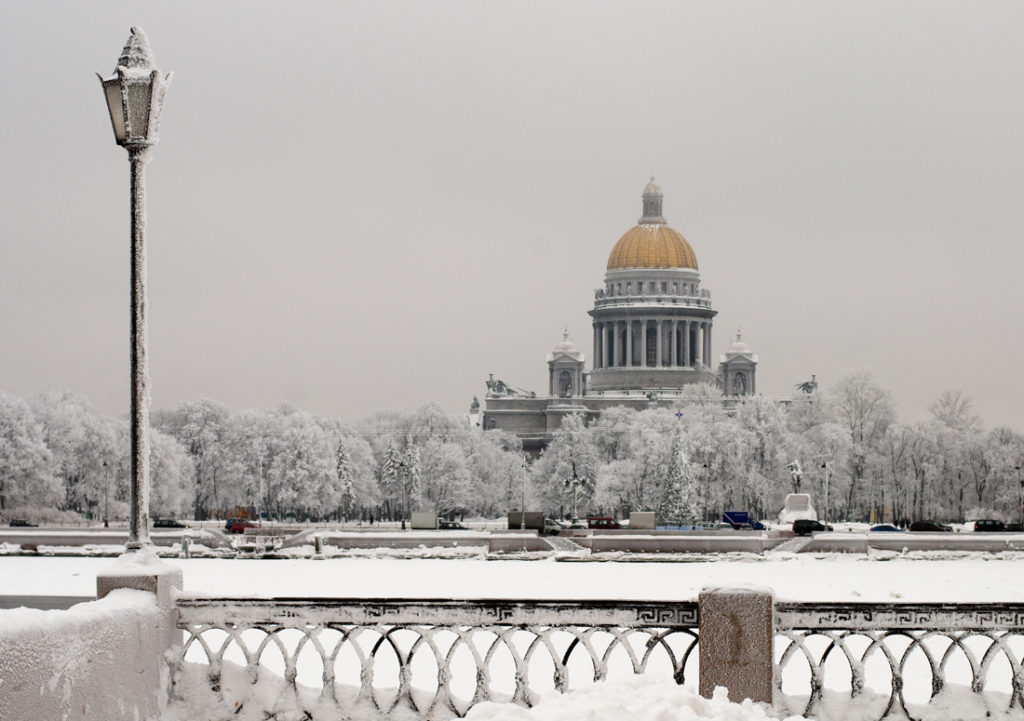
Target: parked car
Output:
[(168, 523), (443, 524), (551, 527), (930, 527), (22, 523), (885, 528), (989, 525), (604, 522), (1015, 527), (805, 527), (238, 525)]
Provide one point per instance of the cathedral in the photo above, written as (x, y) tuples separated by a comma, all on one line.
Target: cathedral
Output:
[(652, 337)]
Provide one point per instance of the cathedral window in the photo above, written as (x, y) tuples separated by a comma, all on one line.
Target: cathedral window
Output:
[(664, 286)]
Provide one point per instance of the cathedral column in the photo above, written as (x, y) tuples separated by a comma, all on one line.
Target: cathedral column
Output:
[(597, 346), (620, 348), (643, 344), (674, 350), (686, 344), (629, 343), (700, 343), (707, 344), (604, 345), (659, 360)]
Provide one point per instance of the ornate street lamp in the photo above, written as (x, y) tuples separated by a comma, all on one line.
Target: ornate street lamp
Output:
[(135, 96)]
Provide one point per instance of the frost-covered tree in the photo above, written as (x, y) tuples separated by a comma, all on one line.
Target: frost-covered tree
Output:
[(444, 476), (346, 485), (565, 474), (172, 476), (865, 409), (677, 505), (200, 427), (26, 464)]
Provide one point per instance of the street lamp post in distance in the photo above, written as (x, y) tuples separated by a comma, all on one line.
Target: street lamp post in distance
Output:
[(135, 96)]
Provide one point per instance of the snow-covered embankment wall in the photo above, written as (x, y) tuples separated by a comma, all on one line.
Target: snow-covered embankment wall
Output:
[(97, 661)]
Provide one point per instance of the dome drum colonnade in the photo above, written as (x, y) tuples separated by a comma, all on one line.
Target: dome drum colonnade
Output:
[(652, 338), (652, 321)]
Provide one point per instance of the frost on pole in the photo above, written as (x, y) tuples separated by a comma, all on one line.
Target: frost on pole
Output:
[(134, 95)]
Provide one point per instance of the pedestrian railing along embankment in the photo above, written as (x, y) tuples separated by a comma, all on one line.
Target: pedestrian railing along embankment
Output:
[(899, 658), (326, 658), (437, 658)]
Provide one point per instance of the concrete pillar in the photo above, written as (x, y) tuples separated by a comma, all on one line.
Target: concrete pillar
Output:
[(737, 630), (707, 344), (142, 570)]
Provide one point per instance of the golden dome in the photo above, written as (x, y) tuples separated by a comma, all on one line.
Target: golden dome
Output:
[(652, 245)]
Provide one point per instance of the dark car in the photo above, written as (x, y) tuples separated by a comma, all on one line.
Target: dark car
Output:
[(885, 528), (1015, 527), (929, 527), (444, 524), (168, 523), (988, 525), (238, 525), (22, 523), (805, 527), (602, 522)]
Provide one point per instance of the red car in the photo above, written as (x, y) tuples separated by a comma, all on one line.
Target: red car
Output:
[(238, 525), (602, 522)]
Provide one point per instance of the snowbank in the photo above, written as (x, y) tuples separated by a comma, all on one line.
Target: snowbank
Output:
[(642, 698), (96, 660)]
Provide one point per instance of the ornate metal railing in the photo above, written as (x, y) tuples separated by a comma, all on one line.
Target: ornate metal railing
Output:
[(437, 658), (898, 657)]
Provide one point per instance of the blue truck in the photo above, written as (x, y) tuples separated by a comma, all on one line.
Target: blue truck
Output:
[(741, 520)]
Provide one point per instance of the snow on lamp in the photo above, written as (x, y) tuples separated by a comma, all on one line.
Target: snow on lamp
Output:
[(135, 96), (135, 93)]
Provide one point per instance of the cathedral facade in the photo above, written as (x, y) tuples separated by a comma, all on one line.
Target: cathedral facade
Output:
[(652, 325)]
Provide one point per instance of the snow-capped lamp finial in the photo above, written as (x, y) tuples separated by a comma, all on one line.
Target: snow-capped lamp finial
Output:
[(137, 54)]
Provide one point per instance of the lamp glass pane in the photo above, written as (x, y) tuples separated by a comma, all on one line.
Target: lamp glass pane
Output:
[(138, 109), (113, 93)]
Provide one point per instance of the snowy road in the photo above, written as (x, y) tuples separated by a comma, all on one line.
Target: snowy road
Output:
[(975, 577)]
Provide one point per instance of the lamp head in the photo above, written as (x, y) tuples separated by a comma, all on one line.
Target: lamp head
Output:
[(135, 93)]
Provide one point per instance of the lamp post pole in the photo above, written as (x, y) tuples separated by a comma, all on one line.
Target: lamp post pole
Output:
[(522, 516), (134, 95), (138, 529)]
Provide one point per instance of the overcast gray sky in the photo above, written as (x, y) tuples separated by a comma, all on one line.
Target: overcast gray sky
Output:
[(366, 206)]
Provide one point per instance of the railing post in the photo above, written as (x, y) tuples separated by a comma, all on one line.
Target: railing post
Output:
[(142, 570), (737, 630)]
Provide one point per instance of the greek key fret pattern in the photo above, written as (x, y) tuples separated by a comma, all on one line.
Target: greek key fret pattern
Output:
[(334, 658), (897, 658)]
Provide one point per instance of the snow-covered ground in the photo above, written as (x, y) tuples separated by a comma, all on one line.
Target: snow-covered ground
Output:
[(948, 577)]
